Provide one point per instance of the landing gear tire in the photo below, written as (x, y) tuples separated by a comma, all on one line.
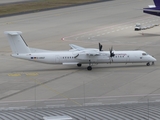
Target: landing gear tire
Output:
[(148, 64), (79, 65), (89, 68), (152, 63)]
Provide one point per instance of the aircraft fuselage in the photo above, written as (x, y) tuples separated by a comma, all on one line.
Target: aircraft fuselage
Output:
[(69, 57)]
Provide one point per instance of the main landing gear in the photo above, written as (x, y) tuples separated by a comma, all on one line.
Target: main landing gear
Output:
[(89, 68), (79, 64), (148, 63)]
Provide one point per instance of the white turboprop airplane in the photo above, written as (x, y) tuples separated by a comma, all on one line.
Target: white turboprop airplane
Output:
[(76, 56)]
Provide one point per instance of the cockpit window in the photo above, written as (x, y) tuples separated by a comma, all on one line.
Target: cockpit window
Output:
[(144, 54)]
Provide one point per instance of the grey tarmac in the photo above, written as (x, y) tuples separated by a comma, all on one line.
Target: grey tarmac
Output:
[(111, 23)]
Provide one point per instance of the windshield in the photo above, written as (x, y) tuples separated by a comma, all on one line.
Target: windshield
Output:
[(144, 54)]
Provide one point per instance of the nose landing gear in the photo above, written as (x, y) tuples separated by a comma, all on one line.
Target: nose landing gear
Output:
[(148, 63)]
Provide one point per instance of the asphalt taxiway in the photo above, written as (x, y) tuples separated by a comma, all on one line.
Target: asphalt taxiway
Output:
[(29, 84)]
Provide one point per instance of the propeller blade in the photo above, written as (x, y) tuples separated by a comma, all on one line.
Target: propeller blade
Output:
[(111, 52), (100, 47)]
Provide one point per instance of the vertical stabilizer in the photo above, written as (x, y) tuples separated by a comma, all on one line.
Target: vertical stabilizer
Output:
[(17, 43), (157, 3), (153, 9)]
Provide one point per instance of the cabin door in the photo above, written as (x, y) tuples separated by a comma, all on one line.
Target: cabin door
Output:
[(127, 58), (57, 59)]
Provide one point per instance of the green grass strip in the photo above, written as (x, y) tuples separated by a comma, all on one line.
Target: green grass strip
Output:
[(38, 5)]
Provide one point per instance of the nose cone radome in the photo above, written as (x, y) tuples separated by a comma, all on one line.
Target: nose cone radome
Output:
[(153, 59)]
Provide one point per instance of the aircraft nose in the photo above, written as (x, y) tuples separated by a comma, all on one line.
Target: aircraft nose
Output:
[(153, 59)]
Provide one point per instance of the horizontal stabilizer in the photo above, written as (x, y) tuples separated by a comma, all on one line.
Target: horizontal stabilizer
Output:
[(151, 6)]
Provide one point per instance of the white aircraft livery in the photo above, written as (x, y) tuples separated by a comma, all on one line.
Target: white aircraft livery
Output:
[(76, 56)]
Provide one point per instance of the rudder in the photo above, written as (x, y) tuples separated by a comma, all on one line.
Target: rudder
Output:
[(17, 43), (157, 3)]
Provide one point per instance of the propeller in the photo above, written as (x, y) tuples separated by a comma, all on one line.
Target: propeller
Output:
[(111, 54), (100, 47)]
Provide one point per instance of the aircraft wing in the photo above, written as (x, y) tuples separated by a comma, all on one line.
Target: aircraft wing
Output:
[(76, 47), (91, 52), (84, 51)]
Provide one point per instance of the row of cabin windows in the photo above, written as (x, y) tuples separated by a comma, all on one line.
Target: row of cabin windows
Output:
[(73, 57), (118, 56), (68, 57)]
